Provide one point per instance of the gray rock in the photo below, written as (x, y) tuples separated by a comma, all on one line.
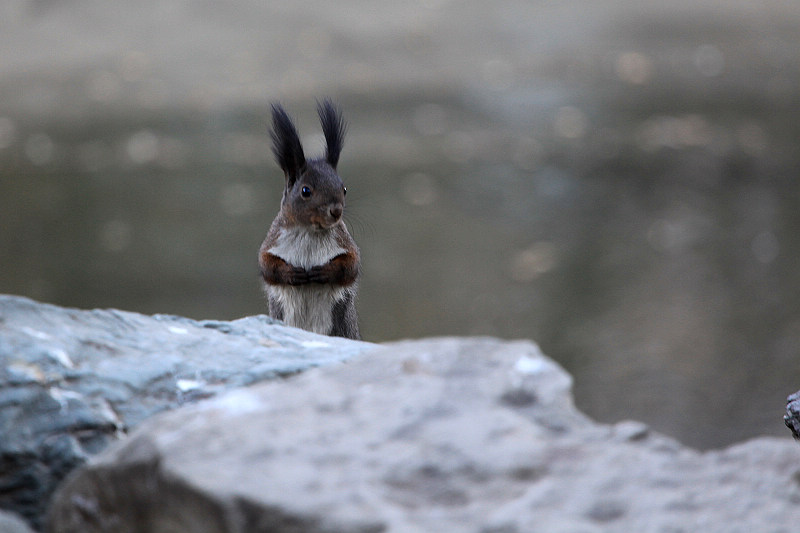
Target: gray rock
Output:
[(11, 524), (792, 416), (455, 435), (73, 381)]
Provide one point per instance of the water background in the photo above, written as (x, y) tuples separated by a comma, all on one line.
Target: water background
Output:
[(617, 180)]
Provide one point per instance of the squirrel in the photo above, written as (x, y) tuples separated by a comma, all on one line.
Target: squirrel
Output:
[(309, 261)]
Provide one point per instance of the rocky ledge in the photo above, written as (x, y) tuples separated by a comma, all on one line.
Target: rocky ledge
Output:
[(792, 416), (456, 435), (73, 381)]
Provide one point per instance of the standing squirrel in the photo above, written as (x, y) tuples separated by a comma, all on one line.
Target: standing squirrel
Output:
[(308, 260)]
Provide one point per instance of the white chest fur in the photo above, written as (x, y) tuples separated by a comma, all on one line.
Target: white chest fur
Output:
[(307, 306), (306, 248)]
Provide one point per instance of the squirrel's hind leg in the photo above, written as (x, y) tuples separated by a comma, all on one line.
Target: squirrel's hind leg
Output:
[(275, 308), (344, 318)]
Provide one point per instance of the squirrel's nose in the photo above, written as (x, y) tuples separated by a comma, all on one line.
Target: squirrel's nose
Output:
[(336, 211)]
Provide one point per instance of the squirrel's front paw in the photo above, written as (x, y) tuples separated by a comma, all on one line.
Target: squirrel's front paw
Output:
[(319, 274), (298, 276)]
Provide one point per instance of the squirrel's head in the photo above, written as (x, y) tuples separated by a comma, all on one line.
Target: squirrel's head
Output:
[(314, 193)]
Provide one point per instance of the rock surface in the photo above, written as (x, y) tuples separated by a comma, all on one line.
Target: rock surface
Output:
[(455, 435), (11, 524), (792, 416), (73, 381)]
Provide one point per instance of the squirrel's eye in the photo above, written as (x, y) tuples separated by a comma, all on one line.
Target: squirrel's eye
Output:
[(306, 192), (345, 190)]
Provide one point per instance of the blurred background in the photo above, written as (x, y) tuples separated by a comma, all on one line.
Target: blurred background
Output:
[(616, 180)]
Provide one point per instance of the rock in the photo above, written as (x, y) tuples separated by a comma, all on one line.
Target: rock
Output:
[(73, 381), (456, 435), (11, 524), (792, 416)]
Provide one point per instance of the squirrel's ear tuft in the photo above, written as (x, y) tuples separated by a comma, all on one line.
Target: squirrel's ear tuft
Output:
[(333, 127), (286, 144)]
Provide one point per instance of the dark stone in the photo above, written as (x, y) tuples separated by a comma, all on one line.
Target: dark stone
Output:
[(792, 416)]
